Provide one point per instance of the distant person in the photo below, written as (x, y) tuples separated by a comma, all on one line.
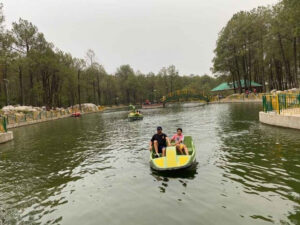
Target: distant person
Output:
[(255, 91), (179, 138), (160, 142), (247, 93)]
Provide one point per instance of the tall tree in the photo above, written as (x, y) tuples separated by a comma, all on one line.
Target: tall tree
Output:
[(25, 36)]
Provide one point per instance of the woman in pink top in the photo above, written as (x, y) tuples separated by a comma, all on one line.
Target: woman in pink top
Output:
[(179, 138)]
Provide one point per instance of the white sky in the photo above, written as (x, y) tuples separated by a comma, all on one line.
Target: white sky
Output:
[(147, 34)]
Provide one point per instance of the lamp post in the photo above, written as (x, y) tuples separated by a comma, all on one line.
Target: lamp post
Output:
[(267, 86), (6, 81), (154, 95)]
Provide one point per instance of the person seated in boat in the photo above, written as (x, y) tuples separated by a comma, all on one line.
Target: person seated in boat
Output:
[(178, 139), (159, 141)]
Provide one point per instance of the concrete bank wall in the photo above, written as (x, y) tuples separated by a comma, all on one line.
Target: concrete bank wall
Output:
[(20, 124), (5, 137), (35, 121), (236, 101), (280, 120)]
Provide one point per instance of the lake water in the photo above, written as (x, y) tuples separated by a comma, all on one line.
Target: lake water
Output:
[(95, 170)]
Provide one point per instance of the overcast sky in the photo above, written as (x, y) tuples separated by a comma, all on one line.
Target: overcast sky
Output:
[(147, 34)]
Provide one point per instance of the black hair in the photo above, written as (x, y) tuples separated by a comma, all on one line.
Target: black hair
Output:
[(179, 129)]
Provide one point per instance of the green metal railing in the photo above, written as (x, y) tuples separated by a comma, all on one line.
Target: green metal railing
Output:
[(3, 124), (281, 103)]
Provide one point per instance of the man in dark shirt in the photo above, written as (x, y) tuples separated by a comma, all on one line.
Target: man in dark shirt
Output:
[(160, 142)]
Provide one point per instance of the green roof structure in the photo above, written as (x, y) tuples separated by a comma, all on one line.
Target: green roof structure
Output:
[(229, 86)]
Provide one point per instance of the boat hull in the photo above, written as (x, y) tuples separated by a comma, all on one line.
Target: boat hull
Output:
[(173, 161), (134, 116), (180, 168), (77, 114)]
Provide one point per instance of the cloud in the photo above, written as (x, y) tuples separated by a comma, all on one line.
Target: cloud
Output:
[(147, 34)]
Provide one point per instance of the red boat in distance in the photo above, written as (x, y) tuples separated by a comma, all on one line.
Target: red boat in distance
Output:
[(149, 105), (76, 114)]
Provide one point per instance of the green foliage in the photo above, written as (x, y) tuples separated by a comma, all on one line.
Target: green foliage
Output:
[(34, 72), (1, 16), (262, 46)]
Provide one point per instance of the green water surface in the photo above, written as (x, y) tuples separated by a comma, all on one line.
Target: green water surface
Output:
[(94, 170)]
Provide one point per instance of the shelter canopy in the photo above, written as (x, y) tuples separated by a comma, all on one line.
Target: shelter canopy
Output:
[(229, 86)]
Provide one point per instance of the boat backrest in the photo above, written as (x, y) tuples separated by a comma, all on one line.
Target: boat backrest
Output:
[(188, 142)]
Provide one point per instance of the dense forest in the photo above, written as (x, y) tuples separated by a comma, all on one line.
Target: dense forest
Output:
[(34, 72), (262, 45)]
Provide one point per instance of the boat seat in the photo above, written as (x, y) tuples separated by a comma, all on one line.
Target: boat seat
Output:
[(182, 159), (171, 156), (188, 143)]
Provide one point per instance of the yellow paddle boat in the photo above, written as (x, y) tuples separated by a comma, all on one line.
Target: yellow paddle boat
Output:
[(173, 160)]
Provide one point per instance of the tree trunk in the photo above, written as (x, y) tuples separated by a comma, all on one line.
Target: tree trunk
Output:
[(245, 70), (287, 68), (233, 78), (6, 83), (52, 90), (134, 97), (238, 72), (250, 69), (128, 96), (21, 85), (98, 89), (271, 80), (78, 88), (31, 89), (94, 92), (295, 62), (278, 69)]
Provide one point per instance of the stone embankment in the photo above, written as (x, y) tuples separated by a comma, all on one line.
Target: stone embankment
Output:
[(17, 116), (281, 120), (6, 136), (281, 108), (236, 98)]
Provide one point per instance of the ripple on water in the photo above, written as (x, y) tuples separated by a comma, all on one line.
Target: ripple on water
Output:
[(95, 170)]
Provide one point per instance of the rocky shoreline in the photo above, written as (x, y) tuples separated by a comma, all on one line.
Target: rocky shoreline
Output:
[(17, 116)]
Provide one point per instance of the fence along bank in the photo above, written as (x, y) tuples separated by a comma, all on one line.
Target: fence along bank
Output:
[(4, 134), (281, 109), (25, 115)]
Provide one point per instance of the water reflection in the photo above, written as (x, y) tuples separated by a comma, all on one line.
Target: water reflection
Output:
[(95, 170), (262, 159), (40, 164)]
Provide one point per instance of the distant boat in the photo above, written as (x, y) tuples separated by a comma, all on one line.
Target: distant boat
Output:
[(76, 114), (135, 116), (172, 161), (148, 105)]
